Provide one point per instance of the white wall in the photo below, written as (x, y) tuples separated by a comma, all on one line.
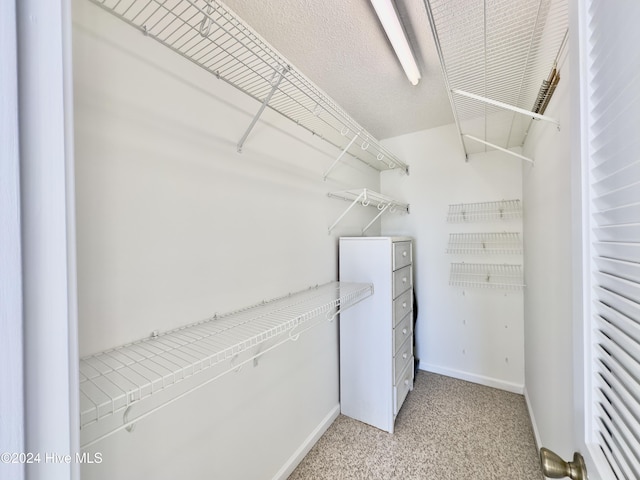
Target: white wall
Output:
[(548, 274), (474, 334), (174, 225)]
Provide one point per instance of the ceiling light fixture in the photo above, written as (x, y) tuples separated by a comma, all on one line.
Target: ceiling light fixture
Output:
[(391, 23)]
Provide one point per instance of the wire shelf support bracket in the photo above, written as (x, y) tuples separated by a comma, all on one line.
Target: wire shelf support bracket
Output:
[(275, 81), (335, 162), (506, 106), (497, 147), (123, 385), (210, 35), (366, 198)]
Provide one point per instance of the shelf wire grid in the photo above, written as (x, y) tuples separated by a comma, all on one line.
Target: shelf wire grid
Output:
[(209, 34), (486, 275), (500, 243), (113, 380), (484, 211), (499, 49)]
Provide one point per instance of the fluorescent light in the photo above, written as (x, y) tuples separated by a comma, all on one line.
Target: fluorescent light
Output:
[(392, 26)]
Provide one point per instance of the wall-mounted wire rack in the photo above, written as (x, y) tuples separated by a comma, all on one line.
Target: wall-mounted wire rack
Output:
[(209, 34), (121, 386), (484, 211), (499, 243), (499, 62), (486, 275), (367, 198)]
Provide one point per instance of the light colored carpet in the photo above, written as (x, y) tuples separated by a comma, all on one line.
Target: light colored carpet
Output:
[(448, 429)]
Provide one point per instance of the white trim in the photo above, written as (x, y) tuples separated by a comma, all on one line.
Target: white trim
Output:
[(46, 181), (306, 446), (473, 377), (11, 353), (72, 284), (534, 425)]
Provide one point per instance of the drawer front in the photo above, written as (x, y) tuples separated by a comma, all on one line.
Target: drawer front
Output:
[(402, 281), (402, 305), (401, 254), (403, 356), (402, 389), (403, 331)]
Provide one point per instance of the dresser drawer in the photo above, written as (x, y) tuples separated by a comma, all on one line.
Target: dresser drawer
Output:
[(401, 281), (401, 390), (403, 356), (401, 254), (402, 305), (403, 331)]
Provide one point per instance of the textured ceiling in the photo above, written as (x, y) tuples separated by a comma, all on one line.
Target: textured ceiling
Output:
[(341, 47)]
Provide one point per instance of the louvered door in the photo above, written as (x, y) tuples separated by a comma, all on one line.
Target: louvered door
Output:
[(612, 168)]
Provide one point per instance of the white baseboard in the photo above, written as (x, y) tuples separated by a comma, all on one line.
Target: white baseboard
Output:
[(536, 434), (295, 459), (474, 378)]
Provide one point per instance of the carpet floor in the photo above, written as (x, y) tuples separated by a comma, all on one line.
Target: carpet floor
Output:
[(448, 429)]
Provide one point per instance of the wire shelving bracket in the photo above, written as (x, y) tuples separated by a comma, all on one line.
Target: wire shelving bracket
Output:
[(275, 81), (486, 275), (500, 243), (367, 198), (484, 211), (121, 386), (209, 34)]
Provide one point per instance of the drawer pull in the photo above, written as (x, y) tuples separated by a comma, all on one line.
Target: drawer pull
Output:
[(404, 356), (404, 331), (404, 279), (404, 254), (404, 304), (406, 382)]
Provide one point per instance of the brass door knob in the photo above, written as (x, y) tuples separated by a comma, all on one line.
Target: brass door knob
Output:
[(555, 467)]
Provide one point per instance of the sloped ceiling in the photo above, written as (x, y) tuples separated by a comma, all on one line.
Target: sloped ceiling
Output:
[(341, 47)]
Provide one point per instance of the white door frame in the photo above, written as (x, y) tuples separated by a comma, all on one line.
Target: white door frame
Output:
[(49, 312), (11, 384)]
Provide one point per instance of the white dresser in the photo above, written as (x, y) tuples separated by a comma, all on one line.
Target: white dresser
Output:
[(376, 336)]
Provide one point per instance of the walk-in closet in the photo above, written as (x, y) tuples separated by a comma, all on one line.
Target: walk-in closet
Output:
[(341, 239)]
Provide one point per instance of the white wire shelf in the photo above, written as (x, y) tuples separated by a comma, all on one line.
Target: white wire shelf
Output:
[(484, 211), (113, 381), (486, 275), (499, 64), (500, 243), (367, 198), (209, 34)]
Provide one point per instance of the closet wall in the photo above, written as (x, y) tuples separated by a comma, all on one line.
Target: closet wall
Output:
[(551, 248), (174, 225), (469, 333)]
